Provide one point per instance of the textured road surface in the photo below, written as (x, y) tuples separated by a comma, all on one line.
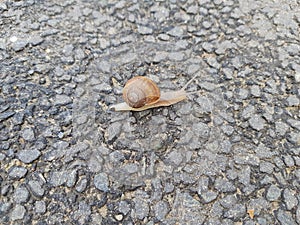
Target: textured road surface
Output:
[(228, 155)]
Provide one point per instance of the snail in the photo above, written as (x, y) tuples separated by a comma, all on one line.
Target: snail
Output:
[(141, 93)]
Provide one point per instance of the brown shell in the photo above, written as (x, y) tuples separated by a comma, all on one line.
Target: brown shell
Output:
[(140, 91)]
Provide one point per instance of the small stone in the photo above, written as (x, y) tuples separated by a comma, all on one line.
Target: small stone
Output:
[(293, 100), (104, 66), (193, 68), (164, 37), (161, 209), (224, 46), (224, 185), (18, 213), (181, 44), (298, 214), (58, 178), (212, 61), (297, 77), (209, 196), (130, 168), (290, 199), (19, 45), (228, 73), (242, 93), (28, 134), (176, 32), (145, 30), (266, 167), (68, 49), (5, 189), (207, 24), (203, 183), (235, 212), (28, 156), (6, 115), (113, 130), (288, 161), (17, 172), (36, 40), (3, 6), (206, 105), (176, 56), (248, 112), (36, 188), (124, 207), (250, 159), (273, 193), (160, 56), (40, 207), (62, 100), (227, 129), (294, 123), (285, 218), (141, 209), (103, 87), (175, 157), (81, 185), (294, 137), (207, 46), (257, 122), (5, 207), (21, 194), (255, 91), (119, 217), (193, 9), (281, 128), (101, 182)]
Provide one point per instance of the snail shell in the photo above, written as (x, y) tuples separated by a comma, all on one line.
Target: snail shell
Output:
[(140, 91)]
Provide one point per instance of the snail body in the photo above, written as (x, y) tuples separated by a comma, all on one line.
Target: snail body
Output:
[(141, 93)]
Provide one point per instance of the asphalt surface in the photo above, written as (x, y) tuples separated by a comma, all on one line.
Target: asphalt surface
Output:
[(228, 155)]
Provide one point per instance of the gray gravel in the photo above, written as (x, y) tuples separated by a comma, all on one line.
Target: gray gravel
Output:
[(229, 154)]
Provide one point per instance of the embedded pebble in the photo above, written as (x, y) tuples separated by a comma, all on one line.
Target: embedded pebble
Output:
[(293, 100), (28, 156), (101, 182), (285, 217), (290, 199), (273, 193), (266, 167), (161, 209), (281, 128), (17, 172), (224, 185), (297, 77), (6, 115), (36, 188), (62, 100), (176, 32), (40, 207), (255, 91), (19, 45), (28, 134), (209, 196), (124, 207), (257, 122), (21, 194), (18, 213), (141, 209), (113, 131), (145, 30), (81, 185)]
